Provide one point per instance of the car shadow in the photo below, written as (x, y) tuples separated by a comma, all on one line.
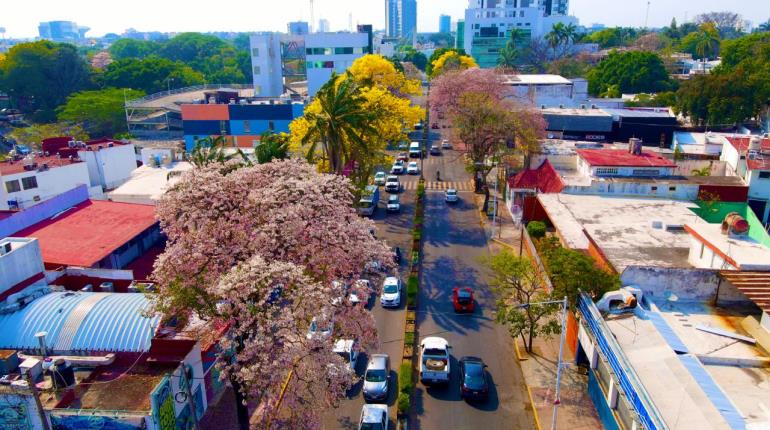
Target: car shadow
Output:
[(492, 403), (393, 388)]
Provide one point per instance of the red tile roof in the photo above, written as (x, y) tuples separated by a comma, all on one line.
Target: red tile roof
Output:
[(90, 231), (623, 158), (12, 168), (741, 144), (545, 179)]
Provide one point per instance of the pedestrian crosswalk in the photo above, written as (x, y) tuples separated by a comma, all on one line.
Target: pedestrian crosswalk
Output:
[(441, 185)]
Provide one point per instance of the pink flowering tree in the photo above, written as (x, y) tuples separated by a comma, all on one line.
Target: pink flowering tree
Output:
[(261, 247), (445, 90)]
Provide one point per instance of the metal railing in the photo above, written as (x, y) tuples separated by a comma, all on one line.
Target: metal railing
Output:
[(627, 378), (160, 95)]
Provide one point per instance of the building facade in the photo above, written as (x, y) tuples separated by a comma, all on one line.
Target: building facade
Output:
[(444, 24), (35, 179), (298, 28), (332, 52), (748, 157), (323, 26), (62, 31), (401, 18), (488, 24), (266, 64)]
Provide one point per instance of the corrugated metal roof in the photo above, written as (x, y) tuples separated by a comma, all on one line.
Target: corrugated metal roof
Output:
[(755, 285), (585, 120), (81, 322)]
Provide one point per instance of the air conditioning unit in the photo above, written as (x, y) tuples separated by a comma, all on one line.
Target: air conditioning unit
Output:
[(72, 144), (133, 288), (106, 287), (5, 248), (88, 288)]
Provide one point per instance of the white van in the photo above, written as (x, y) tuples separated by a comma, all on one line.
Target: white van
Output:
[(414, 150)]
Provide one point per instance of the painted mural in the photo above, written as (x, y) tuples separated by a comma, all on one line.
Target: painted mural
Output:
[(81, 422), (14, 413)]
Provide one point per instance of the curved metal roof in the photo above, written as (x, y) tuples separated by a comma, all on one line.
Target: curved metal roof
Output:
[(81, 322)]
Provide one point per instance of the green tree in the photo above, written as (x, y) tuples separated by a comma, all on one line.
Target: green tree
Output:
[(132, 48), (703, 43), (517, 286), (570, 67), (101, 112), (271, 147), (612, 37), (510, 53), (438, 53), (151, 74), (632, 72), (38, 76), (33, 135), (415, 57), (212, 150)]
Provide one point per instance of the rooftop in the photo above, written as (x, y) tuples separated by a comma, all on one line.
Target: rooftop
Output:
[(640, 113), (760, 161), (89, 231), (544, 179), (622, 158), (536, 80), (9, 167), (743, 252), (629, 231), (148, 184), (81, 322), (676, 364)]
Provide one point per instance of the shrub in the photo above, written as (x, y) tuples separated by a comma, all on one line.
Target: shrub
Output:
[(405, 383), (409, 338), (403, 403), (412, 285), (536, 229), (415, 257), (416, 235)]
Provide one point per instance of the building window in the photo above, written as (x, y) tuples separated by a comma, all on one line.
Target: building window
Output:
[(702, 247), (343, 51), (358, 50), (476, 26), (654, 189), (764, 174), (255, 52), (527, 24), (646, 172), (29, 182), (257, 70), (257, 90), (247, 126), (223, 127), (672, 188), (602, 171), (12, 186), (328, 64), (271, 125)]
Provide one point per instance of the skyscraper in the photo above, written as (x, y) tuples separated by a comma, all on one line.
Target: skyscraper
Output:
[(298, 28), (444, 24), (323, 26), (62, 31), (401, 18)]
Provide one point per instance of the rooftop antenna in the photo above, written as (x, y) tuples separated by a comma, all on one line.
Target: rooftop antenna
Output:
[(647, 15), (312, 16)]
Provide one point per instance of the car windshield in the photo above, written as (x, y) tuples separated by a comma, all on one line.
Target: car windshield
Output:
[(365, 204), (377, 375), (474, 375), (451, 192), (463, 296), (434, 352), (393, 199), (390, 288), (345, 355), (371, 426)]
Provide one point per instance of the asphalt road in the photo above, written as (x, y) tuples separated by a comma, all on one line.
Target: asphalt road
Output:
[(454, 245)]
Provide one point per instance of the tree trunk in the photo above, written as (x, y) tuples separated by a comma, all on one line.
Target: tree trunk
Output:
[(486, 199), (242, 410), (531, 336)]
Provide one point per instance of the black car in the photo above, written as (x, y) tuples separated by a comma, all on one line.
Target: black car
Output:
[(474, 383), (397, 255)]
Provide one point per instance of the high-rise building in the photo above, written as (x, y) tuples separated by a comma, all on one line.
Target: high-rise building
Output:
[(444, 24), (323, 26), (62, 31), (401, 18), (489, 23), (266, 64), (298, 28), (460, 34)]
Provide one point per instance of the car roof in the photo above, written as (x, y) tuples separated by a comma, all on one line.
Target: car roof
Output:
[(344, 345), (391, 279), (393, 197), (451, 190), (377, 361), (470, 358), (434, 342), (372, 413), (394, 177)]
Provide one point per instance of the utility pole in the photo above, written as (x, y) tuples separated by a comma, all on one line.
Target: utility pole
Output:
[(188, 392), (647, 16), (557, 399), (312, 16), (38, 404)]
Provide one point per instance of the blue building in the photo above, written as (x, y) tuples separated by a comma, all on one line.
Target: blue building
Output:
[(444, 24), (401, 18)]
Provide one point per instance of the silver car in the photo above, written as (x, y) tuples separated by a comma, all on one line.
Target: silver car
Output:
[(376, 378)]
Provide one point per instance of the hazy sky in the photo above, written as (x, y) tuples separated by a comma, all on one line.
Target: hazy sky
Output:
[(20, 18)]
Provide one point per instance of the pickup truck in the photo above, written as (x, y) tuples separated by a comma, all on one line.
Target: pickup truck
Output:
[(434, 361)]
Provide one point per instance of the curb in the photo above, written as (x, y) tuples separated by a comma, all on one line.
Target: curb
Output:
[(534, 409), (518, 351), (507, 245)]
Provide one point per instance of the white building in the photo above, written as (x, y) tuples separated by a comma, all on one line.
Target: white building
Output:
[(110, 162), (323, 26), (148, 183), (34, 179), (21, 263), (266, 64), (331, 52), (488, 24), (548, 90), (748, 157), (618, 162)]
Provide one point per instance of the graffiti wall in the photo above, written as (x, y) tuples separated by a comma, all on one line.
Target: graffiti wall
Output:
[(79, 422)]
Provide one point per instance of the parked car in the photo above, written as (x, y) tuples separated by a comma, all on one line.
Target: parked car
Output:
[(367, 205), (403, 156), (348, 350), (377, 378), (418, 126), (391, 292), (403, 145), (474, 381), (397, 255), (434, 361), (415, 150), (434, 126), (394, 204), (398, 168), (317, 329), (445, 144), (435, 149), (392, 185), (451, 195), (357, 291), (374, 417), (379, 178), (413, 168), (462, 300)]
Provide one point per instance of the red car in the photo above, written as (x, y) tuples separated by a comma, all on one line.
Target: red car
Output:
[(462, 298), (402, 156)]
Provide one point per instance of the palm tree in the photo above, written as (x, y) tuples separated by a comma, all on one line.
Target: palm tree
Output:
[(339, 129), (211, 150), (570, 33), (272, 147), (764, 26), (707, 41), (510, 52), (556, 35)]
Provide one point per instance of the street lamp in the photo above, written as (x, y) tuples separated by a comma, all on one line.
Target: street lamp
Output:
[(168, 84), (556, 399)]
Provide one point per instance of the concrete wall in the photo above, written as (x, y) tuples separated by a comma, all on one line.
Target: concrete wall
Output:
[(49, 183), (113, 164), (676, 191), (23, 219), (685, 167), (23, 262), (699, 285), (758, 188), (703, 257), (733, 159)]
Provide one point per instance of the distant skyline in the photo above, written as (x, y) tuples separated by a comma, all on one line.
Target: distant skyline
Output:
[(21, 20)]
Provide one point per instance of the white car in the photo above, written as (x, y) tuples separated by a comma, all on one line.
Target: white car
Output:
[(394, 204), (317, 329), (412, 168), (445, 144), (392, 185), (451, 195), (348, 350), (391, 293), (398, 168), (374, 417), (379, 178)]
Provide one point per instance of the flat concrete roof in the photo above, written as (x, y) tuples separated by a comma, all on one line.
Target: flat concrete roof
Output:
[(148, 184), (536, 80), (623, 227), (676, 393), (745, 252)]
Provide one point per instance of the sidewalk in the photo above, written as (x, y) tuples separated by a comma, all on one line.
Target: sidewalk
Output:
[(576, 410)]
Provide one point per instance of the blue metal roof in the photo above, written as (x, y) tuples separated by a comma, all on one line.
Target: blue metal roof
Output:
[(81, 322)]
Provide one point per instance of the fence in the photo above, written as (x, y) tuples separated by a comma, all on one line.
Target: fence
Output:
[(623, 371), (532, 252), (155, 96)]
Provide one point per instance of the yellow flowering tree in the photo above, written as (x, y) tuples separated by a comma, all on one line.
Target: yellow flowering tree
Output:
[(347, 126), (451, 60)]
